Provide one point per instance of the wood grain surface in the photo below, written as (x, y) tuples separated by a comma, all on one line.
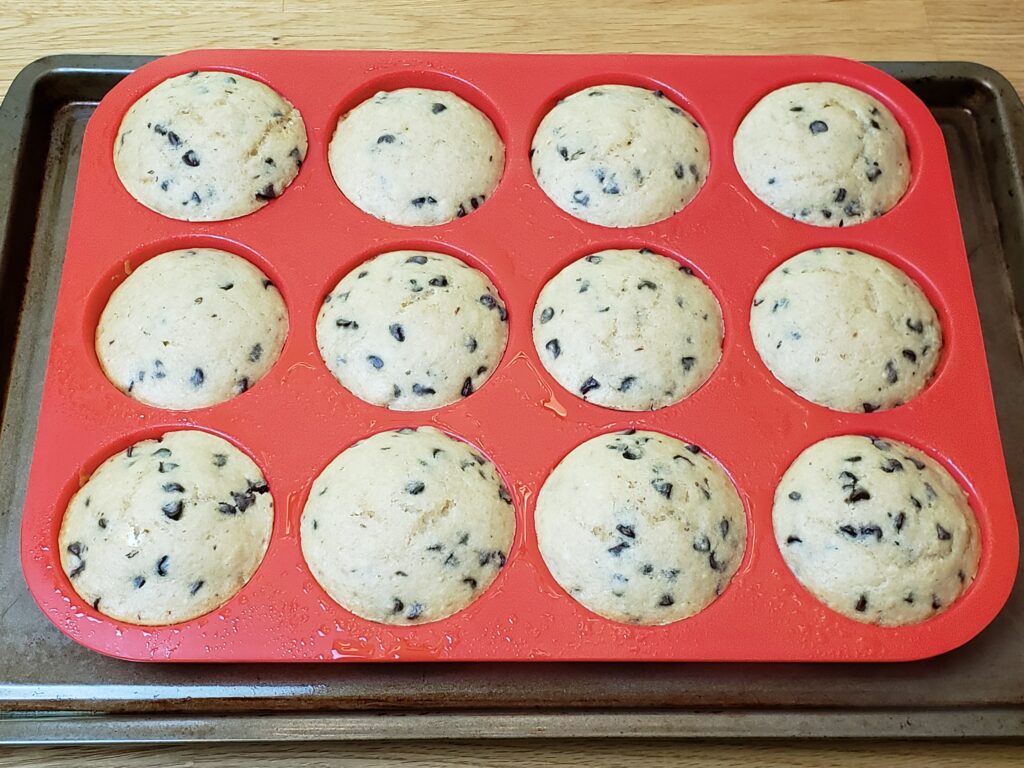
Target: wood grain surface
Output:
[(990, 32)]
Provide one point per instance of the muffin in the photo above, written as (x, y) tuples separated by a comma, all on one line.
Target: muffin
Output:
[(209, 146), (823, 153), (407, 527), (619, 156)]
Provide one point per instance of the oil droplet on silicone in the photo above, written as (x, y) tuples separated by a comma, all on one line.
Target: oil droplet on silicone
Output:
[(551, 401)]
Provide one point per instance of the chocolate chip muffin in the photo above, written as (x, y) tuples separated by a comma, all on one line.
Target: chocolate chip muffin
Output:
[(640, 527), (846, 330), (619, 156), (407, 527), (209, 146), (412, 330), (416, 157), (628, 329), (876, 530), (190, 329), (823, 153), (167, 530)]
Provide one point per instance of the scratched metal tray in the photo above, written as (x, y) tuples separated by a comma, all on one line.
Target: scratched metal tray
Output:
[(52, 690)]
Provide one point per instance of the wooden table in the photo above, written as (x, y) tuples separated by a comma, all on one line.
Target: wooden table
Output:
[(990, 32)]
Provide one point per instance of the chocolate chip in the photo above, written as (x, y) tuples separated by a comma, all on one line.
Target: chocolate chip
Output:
[(161, 566), (173, 509), (470, 343), (796, 109), (909, 598), (75, 548), (227, 286), (267, 193), (102, 522), (173, 488), (702, 543), (419, 389), (840, 195), (595, 258), (219, 459), (375, 361), (663, 487), (688, 362), (416, 259), (581, 198), (386, 138), (871, 530), (196, 586), (899, 520), (139, 582), (857, 494), (666, 601), (916, 462), (869, 407), (892, 465), (467, 387), (470, 581), (546, 314), (437, 107), (554, 348), (158, 129), (795, 495), (849, 530), (619, 548), (589, 385), (460, 211), (397, 332), (415, 612), (198, 377), (646, 284), (794, 540), (873, 173), (173, 139), (343, 323), (227, 509), (853, 209), (818, 126), (943, 534), (679, 170), (269, 161), (419, 202), (916, 326), (397, 606), (296, 156), (438, 282), (190, 158), (880, 444), (626, 530), (694, 449), (414, 488), (714, 564), (936, 603), (627, 383), (723, 527), (862, 604)]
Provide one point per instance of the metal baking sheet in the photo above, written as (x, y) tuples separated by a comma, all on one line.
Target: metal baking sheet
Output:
[(54, 690)]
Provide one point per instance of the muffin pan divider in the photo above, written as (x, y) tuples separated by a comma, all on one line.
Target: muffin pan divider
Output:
[(297, 418)]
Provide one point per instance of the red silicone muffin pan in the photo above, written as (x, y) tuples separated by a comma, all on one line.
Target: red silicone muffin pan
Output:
[(297, 418)]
